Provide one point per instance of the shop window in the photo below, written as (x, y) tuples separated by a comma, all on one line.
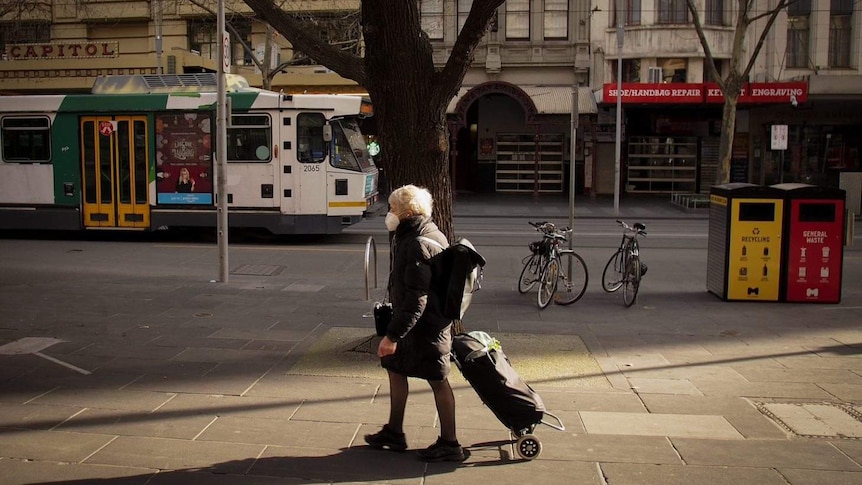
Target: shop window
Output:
[(715, 12), (518, 19), (841, 12), (631, 71), (26, 139), (631, 15), (556, 19), (672, 12), (431, 12), (798, 33), (249, 139)]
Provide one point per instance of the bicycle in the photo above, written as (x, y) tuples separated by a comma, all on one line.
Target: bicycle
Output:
[(548, 264), (625, 269)]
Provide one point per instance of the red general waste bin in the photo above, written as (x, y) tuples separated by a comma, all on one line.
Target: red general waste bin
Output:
[(813, 243)]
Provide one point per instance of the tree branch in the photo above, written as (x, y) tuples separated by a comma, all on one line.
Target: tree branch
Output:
[(308, 41), (475, 27), (773, 14), (698, 27)]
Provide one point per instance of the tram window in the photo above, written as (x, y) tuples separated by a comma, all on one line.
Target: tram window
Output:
[(311, 147), (249, 139), (26, 140)]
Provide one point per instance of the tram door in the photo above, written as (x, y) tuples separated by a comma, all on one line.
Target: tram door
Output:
[(114, 171)]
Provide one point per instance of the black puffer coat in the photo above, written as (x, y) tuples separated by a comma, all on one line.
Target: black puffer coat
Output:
[(423, 334)]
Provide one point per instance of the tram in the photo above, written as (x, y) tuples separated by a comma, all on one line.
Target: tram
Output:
[(137, 153)]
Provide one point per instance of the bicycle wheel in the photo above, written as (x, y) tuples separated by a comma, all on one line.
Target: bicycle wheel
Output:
[(548, 282), (529, 275), (632, 280), (573, 279), (612, 276)]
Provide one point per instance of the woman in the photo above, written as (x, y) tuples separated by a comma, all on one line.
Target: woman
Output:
[(185, 183), (419, 338)]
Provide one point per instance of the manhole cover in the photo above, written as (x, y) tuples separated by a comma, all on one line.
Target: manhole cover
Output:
[(815, 420), (257, 269)]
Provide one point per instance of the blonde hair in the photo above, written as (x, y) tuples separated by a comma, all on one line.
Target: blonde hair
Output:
[(415, 199)]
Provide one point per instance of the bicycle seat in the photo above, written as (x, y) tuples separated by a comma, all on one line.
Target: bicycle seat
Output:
[(639, 226)]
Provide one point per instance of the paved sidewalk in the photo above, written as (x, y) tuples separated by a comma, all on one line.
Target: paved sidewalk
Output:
[(163, 377)]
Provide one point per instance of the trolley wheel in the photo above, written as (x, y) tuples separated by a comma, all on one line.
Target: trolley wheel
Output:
[(528, 446)]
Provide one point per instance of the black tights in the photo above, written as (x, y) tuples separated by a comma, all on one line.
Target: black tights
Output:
[(444, 399)]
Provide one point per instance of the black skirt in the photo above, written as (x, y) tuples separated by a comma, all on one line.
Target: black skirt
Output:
[(422, 353)]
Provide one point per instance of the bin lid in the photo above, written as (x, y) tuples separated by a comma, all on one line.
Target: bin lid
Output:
[(807, 191), (746, 190)]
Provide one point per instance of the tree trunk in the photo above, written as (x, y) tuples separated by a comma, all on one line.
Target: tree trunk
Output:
[(728, 129)]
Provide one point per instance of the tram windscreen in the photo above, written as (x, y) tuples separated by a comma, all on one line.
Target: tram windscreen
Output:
[(349, 151)]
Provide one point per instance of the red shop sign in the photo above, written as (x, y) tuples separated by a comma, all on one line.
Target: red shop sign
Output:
[(762, 93), (666, 93), (698, 93)]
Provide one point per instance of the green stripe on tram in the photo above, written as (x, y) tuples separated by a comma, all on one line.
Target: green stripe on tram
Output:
[(97, 103)]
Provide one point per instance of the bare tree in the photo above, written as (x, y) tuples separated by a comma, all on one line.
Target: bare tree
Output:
[(731, 85), (410, 94)]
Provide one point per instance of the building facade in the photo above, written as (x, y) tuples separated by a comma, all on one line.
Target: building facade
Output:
[(543, 68)]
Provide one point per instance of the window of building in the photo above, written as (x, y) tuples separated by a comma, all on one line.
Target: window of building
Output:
[(26, 139), (841, 13), (673, 70), (715, 12), (431, 12), (249, 138), (240, 56), (556, 19), (517, 19), (631, 14), (311, 147), (341, 29), (23, 33), (798, 33), (631, 71), (202, 38), (464, 7), (672, 12)]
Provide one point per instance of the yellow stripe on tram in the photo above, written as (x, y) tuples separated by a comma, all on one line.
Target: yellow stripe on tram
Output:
[(348, 204)]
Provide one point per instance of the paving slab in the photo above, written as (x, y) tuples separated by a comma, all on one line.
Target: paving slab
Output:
[(277, 432), (135, 423), (359, 464), (105, 399), (643, 385), (843, 392), (820, 477), (639, 474), (739, 412), (832, 376), (567, 447), (31, 416), (808, 454), (853, 448), (224, 405), (21, 472), (673, 425), (171, 454), (792, 390), (298, 387), (615, 401), (51, 445)]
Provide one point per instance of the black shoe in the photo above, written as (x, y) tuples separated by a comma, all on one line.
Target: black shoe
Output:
[(386, 439), (442, 450)]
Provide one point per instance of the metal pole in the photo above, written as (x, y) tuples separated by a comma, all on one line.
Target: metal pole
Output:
[(221, 149), (572, 164), (618, 147), (158, 14)]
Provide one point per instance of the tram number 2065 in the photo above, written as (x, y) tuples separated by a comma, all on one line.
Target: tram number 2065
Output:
[(311, 168)]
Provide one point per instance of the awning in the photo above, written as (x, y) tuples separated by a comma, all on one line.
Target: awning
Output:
[(549, 100)]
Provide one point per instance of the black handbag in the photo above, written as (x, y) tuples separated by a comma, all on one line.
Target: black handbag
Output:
[(382, 317)]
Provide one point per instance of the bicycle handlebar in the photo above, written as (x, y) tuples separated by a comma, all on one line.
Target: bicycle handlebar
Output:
[(638, 228)]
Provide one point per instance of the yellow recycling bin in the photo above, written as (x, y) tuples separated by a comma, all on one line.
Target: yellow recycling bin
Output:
[(745, 230)]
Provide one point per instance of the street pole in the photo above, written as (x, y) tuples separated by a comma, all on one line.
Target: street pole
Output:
[(158, 14), (221, 145), (618, 146), (572, 164)]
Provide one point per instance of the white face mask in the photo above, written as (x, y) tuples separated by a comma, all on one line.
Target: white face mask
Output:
[(391, 221)]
